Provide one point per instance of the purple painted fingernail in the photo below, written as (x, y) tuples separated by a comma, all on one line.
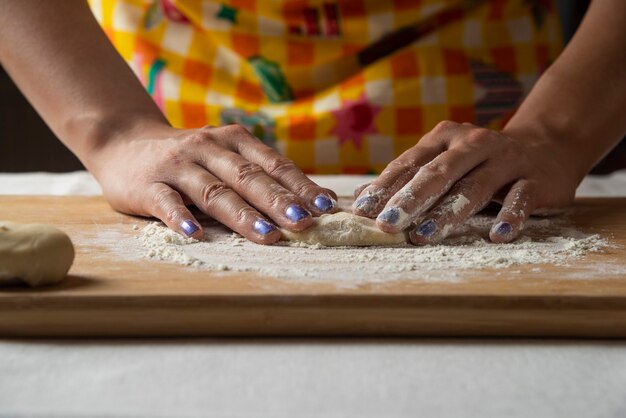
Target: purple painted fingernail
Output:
[(426, 229), (189, 227), (263, 227), (324, 203), (296, 213), (390, 216), (365, 203), (503, 228)]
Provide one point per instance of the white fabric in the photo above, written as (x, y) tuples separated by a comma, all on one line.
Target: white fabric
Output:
[(83, 183), (76, 183), (308, 377), (313, 378)]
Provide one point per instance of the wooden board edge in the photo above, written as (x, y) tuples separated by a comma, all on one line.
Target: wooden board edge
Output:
[(577, 317)]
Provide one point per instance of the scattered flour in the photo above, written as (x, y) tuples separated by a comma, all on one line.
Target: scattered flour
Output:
[(163, 244), (459, 203), (544, 242)]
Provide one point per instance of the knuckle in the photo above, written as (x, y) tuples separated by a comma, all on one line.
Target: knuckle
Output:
[(170, 216), (468, 184), (277, 200), (478, 137), (437, 170), (304, 188), (280, 166), (207, 129), (213, 191), (399, 166), (163, 199), (196, 139), (246, 172), (235, 130), (242, 215), (173, 156), (149, 176), (444, 126)]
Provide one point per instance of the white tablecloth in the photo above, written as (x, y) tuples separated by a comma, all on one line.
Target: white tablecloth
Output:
[(308, 377)]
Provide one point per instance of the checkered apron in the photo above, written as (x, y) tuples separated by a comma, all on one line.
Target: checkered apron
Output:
[(341, 86)]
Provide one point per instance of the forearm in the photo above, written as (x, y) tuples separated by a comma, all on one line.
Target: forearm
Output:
[(579, 102), (64, 64)]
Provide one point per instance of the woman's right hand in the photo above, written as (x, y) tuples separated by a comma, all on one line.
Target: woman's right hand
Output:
[(225, 171)]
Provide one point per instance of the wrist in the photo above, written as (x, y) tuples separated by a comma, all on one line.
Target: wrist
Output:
[(92, 135), (571, 155)]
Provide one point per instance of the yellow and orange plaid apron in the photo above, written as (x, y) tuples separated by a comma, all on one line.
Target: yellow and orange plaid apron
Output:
[(339, 86)]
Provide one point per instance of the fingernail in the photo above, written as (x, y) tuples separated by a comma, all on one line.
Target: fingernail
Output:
[(263, 227), (189, 227), (365, 203), (503, 228), (324, 203), (296, 213), (390, 216), (426, 229)]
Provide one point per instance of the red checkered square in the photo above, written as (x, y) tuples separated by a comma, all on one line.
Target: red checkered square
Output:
[(455, 62), (404, 65), (409, 121)]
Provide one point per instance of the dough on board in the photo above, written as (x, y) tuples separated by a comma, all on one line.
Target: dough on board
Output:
[(344, 229), (36, 254)]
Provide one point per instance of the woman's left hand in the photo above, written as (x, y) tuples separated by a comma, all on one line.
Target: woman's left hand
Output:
[(456, 170)]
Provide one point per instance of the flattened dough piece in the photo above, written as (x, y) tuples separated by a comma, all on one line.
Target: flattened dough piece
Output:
[(36, 254), (344, 229)]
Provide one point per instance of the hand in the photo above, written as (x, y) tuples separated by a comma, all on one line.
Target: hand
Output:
[(456, 170), (225, 171)]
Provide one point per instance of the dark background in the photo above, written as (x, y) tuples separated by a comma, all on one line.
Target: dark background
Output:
[(27, 144)]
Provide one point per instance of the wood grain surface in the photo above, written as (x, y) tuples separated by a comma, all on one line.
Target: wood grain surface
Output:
[(106, 296)]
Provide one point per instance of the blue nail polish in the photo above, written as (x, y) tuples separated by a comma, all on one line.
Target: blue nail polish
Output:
[(296, 213), (263, 227), (426, 229), (391, 215), (503, 228), (324, 203), (365, 203), (189, 227)]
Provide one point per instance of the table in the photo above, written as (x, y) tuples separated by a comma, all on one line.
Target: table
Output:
[(308, 377)]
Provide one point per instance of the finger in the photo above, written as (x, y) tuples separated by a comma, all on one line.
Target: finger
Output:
[(432, 181), (373, 197), (162, 202), (399, 172), (220, 202), (466, 198), (316, 199), (516, 209), (253, 184), (360, 188)]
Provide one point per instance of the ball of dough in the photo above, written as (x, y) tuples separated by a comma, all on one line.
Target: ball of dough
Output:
[(344, 229), (36, 254)]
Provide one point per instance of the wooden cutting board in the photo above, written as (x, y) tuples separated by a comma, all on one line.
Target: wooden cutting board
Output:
[(106, 296)]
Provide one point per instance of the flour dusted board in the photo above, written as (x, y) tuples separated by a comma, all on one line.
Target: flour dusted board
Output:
[(109, 296)]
